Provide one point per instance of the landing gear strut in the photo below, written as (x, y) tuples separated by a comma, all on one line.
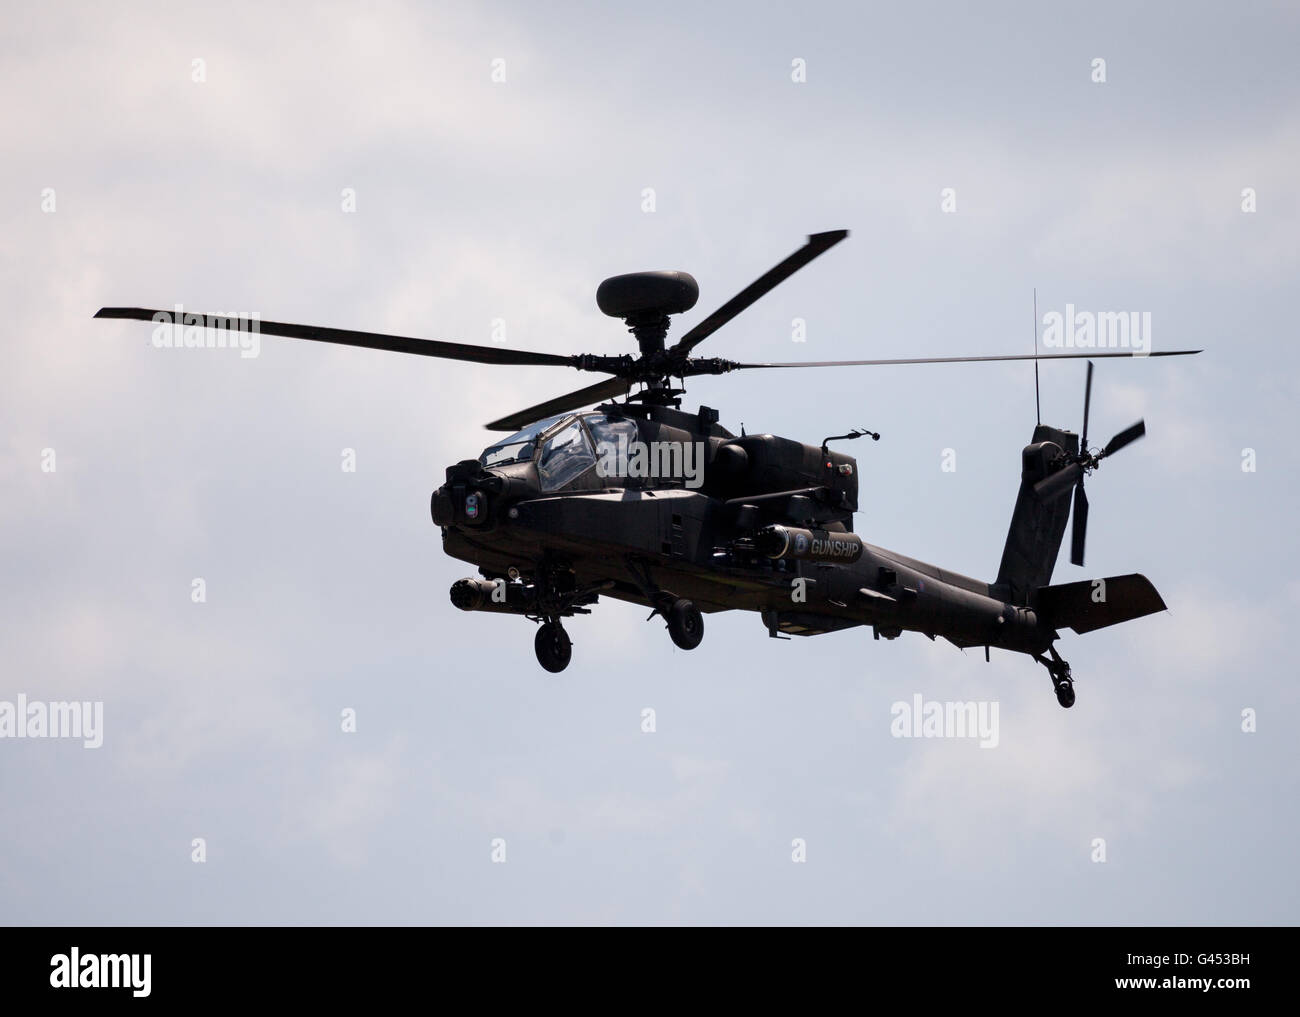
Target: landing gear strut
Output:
[(553, 646), (1062, 679), (550, 596), (685, 622)]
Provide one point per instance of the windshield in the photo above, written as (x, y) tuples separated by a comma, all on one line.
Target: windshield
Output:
[(614, 437), (566, 456), (519, 446)]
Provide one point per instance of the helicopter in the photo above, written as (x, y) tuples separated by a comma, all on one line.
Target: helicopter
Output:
[(604, 491)]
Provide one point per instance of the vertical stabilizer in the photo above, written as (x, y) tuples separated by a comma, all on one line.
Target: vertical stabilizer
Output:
[(1037, 525)]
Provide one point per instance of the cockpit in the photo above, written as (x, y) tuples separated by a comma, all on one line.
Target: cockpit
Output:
[(571, 450), (519, 447)]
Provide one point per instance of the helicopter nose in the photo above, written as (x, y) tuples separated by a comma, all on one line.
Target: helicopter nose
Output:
[(459, 505), (441, 507), (476, 502)]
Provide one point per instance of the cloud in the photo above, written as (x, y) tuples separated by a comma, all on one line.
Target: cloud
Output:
[(479, 201)]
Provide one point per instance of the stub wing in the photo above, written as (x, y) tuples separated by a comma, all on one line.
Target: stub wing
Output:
[(1097, 603)]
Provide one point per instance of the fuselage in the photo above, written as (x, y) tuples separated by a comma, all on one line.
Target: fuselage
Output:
[(570, 495)]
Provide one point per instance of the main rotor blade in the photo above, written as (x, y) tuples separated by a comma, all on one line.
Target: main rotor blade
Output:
[(961, 360), (596, 393), (1125, 437), (1079, 532), (347, 337), (1051, 488), (1087, 404), (817, 244)]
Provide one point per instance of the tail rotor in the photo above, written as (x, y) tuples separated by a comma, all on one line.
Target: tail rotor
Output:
[(1077, 467)]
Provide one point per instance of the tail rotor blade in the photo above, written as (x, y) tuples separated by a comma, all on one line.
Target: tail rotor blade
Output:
[(1087, 404), (1059, 483), (1125, 437), (1079, 533)]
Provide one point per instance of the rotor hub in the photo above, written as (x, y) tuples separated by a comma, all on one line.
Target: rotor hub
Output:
[(650, 329)]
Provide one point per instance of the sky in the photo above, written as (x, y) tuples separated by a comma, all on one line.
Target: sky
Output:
[(447, 170)]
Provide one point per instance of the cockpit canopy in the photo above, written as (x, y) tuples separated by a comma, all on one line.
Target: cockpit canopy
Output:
[(570, 450), (519, 447)]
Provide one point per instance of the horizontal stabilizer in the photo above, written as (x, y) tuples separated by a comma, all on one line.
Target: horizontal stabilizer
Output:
[(1097, 603)]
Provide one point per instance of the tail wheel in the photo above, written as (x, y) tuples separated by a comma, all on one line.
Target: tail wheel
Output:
[(685, 624), (554, 647)]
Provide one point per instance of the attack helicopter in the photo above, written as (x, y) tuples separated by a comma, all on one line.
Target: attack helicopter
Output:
[(606, 491)]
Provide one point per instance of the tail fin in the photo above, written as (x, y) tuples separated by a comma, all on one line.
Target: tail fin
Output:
[(1037, 525), (1096, 603)]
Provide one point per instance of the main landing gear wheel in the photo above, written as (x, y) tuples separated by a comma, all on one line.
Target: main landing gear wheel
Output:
[(685, 624), (554, 647), (1065, 693)]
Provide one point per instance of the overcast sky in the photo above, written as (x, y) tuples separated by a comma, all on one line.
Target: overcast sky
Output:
[(126, 181)]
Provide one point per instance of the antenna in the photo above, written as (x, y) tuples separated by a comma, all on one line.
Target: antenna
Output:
[(857, 432), (1038, 407)]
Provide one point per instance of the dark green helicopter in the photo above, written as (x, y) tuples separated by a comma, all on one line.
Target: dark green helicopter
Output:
[(643, 502)]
